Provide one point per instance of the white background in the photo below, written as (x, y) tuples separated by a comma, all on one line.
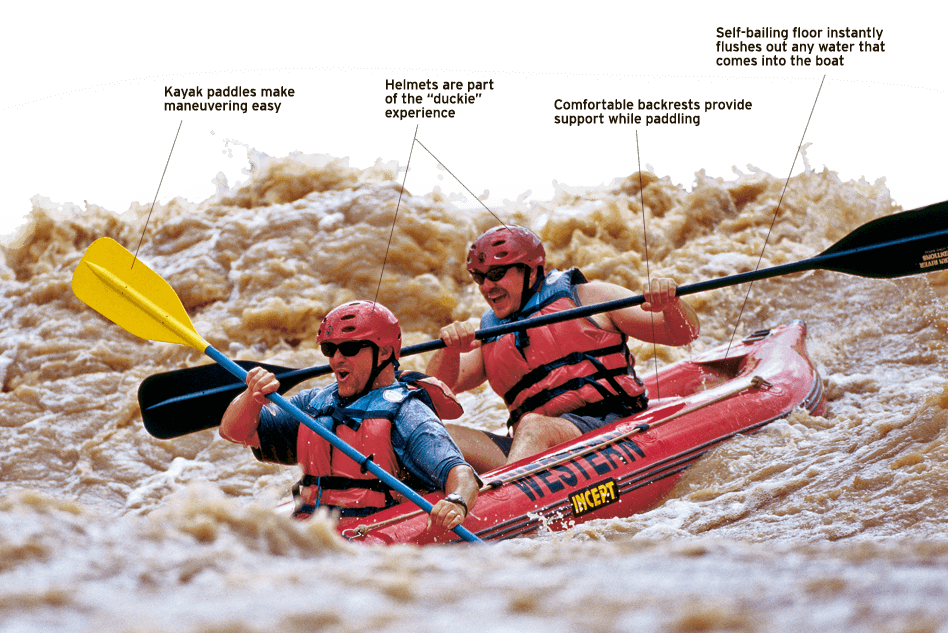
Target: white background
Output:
[(83, 94)]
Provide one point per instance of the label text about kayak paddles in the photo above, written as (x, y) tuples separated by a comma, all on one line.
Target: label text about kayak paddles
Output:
[(225, 99), (431, 98), (741, 46)]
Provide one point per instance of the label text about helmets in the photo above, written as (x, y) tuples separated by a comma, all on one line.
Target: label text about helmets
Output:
[(431, 98)]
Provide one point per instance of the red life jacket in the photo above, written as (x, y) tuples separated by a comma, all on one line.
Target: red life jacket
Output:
[(558, 368), (330, 477)]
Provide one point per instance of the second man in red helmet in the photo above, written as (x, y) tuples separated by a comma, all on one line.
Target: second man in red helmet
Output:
[(560, 380)]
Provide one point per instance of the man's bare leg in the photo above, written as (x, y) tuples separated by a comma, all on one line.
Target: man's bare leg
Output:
[(535, 433), (479, 450)]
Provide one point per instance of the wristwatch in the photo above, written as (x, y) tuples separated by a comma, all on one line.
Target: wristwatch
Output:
[(458, 499)]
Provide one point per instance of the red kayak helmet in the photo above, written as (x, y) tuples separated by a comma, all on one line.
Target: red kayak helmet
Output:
[(505, 245), (361, 321)]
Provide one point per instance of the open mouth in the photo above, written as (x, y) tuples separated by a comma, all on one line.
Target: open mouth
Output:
[(497, 298)]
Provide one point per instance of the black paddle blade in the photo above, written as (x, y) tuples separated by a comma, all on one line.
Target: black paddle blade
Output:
[(908, 243), (193, 399)]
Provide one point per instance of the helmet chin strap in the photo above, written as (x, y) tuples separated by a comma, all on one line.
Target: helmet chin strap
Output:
[(521, 338), (528, 290), (377, 369)]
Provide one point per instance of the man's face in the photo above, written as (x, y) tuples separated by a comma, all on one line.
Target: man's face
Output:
[(352, 372), (503, 294)]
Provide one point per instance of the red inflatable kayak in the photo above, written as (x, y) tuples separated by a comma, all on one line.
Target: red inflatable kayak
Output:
[(630, 465)]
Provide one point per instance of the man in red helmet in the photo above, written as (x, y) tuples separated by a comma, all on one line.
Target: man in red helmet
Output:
[(560, 380), (369, 409)]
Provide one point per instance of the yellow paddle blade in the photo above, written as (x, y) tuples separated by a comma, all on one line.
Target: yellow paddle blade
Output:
[(132, 296)]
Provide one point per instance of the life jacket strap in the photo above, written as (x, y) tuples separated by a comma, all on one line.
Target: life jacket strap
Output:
[(618, 396), (536, 375), (342, 483), (306, 508)]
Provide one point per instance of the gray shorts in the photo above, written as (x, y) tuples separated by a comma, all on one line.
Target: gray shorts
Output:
[(587, 423), (586, 419)]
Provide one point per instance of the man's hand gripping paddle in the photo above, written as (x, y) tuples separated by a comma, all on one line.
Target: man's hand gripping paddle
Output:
[(114, 283)]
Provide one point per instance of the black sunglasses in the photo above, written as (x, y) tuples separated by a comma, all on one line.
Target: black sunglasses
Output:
[(348, 348), (494, 274)]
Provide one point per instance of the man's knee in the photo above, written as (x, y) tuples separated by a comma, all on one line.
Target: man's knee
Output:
[(529, 419), (543, 431), (532, 425)]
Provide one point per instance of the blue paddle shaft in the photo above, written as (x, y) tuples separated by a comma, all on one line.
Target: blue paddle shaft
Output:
[(393, 482)]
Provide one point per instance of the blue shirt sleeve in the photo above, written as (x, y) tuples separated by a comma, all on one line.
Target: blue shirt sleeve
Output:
[(423, 445)]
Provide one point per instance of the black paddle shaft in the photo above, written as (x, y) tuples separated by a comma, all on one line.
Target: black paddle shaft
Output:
[(184, 401)]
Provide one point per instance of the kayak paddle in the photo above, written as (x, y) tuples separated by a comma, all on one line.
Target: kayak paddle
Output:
[(117, 285), (184, 401)]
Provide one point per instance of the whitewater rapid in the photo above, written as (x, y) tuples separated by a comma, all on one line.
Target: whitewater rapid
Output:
[(831, 523)]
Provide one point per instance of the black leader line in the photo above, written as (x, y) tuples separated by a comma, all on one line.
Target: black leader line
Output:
[(459, 182), (144, 228), (648, 275), (395, 219), (774, 220)]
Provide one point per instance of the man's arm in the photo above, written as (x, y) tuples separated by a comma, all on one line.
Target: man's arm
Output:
[(674, 320), (460, 364), (449, 514), (240, 420), (425, 449)]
